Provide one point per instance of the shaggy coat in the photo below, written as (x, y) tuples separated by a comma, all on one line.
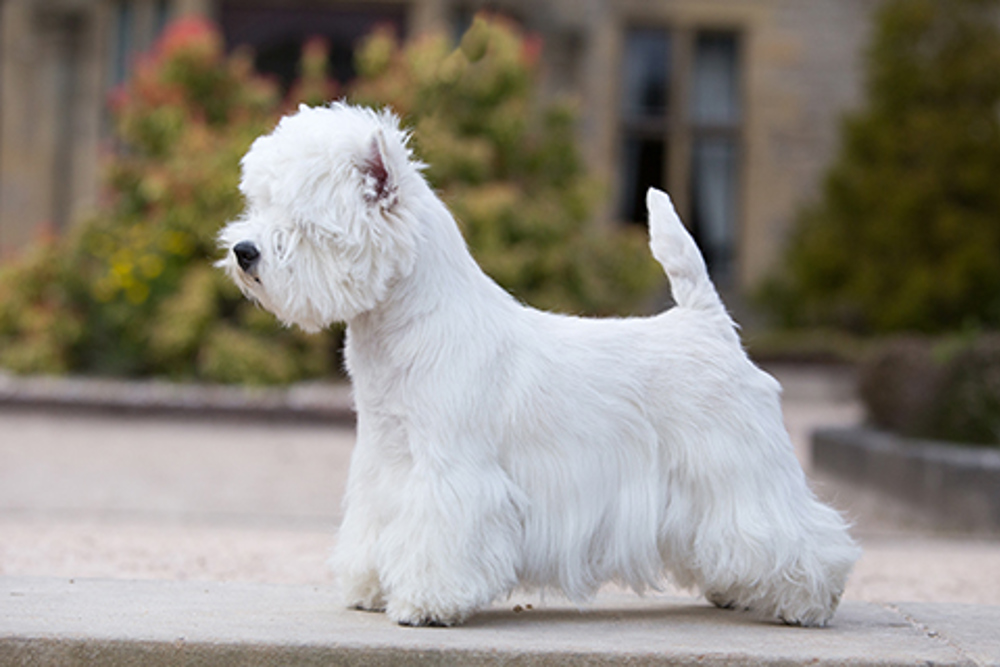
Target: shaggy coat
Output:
[(500, 446)]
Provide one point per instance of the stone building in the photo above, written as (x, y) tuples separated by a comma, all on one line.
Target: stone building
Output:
[(731, 105)]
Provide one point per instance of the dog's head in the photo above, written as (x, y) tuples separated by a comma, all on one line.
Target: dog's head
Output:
[(325, 232)]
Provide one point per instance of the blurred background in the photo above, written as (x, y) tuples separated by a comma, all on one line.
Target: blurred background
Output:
[(838, 162)]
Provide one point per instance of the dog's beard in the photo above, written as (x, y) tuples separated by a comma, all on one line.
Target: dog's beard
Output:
[(304, 282)]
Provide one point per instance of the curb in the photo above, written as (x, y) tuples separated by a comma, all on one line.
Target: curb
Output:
[(306, 402), (320, 402), (152, 623), (956, 486)]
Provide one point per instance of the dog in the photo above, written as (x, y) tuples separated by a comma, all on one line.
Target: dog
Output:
[(500, 447)]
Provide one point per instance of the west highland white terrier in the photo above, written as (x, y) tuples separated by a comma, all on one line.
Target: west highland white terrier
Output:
[(500, 447)]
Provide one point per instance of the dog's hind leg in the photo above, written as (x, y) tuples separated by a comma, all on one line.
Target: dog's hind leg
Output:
[(750, 534)]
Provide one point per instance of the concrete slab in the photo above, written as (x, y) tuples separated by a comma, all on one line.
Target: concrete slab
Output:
[(75, 622), (972, 629)]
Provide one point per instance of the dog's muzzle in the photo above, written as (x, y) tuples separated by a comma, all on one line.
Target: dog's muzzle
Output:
[(247, 255)]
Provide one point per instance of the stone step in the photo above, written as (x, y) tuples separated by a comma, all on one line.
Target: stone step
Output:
[(49, 621), (318, 402)]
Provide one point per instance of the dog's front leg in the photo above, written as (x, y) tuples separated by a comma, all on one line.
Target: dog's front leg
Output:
[(454, 547), (374, 475), (354, 562)]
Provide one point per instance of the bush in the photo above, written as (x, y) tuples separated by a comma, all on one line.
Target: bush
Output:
[(40, 314), (932, 388), (132, 291), (508, 166), (905, 235)]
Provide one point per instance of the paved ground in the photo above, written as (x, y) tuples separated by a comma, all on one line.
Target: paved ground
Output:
[(49, 621), (154, 498)]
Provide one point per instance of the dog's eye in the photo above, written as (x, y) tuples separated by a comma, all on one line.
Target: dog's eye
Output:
[(278, 244), (284, 241)]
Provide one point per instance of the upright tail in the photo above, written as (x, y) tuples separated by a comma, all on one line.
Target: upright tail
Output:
[(677, 252)]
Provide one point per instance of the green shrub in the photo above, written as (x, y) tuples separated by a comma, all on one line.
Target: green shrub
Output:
[(905, 236), (40, 315), (946, 389), (508, 166), (132, 291)]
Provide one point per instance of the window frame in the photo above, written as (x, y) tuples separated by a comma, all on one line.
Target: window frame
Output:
[(681, 130)]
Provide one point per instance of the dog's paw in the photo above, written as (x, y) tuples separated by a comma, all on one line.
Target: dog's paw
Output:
[(364, 594), (809, 615), (425, 623), (416, 617), (724, 601), (817, 618), (804, 606)]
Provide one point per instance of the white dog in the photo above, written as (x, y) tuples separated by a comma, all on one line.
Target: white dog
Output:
[(501, 447)]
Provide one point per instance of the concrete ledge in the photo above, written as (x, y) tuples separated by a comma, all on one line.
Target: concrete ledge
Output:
[(957, 486), (57, 621), (314, 402)]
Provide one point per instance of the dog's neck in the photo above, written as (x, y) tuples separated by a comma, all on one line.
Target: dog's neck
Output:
[(445, 277)]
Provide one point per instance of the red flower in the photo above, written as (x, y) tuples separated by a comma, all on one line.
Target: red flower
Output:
[(531, 50), (188, 32)]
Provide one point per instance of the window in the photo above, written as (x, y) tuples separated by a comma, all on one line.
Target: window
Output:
[(162, 14), (688, 118), (644, 110), (124, 48), (136, 25), (715, 121), (277, 30)]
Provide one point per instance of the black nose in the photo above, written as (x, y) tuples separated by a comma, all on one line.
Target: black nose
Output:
[(247, 254)]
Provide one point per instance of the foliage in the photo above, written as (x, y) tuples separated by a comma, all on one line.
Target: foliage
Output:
[(931, 388), (805, 346), (907, 233), (508, 167), (132, 290), (40, 320)]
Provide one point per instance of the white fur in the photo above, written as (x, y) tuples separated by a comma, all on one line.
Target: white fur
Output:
[(502, 447)]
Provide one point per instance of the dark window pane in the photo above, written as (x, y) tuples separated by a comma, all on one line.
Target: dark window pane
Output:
[(644, 161), (121, 59), (714, 190), (277, 31), (646, 83), (161, 16), (715, 95)]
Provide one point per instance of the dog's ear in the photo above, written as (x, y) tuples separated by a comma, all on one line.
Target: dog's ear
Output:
[(379, 175)]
